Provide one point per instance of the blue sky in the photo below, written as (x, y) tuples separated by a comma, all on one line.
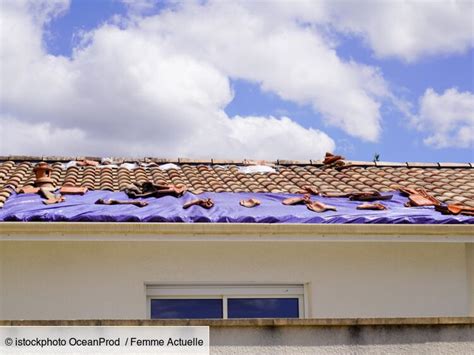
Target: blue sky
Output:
[(434, 82)]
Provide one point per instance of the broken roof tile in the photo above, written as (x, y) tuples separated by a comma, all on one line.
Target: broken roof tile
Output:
[(448, 181)]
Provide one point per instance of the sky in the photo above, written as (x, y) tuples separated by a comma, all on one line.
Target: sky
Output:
[(238, 79)]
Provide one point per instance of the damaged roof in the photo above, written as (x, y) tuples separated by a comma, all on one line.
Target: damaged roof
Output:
[(451, 183)]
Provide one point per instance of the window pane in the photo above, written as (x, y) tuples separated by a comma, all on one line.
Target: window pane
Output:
[(263, 308), (186, 308)]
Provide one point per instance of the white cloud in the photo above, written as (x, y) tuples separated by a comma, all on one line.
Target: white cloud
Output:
[(246, 137), (263, 133), (126, 91), (39, 138), (408, 30), (159, 85), (448, 118), (284, 57)]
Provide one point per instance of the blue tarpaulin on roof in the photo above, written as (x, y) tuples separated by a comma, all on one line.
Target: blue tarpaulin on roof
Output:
[(29, 207)]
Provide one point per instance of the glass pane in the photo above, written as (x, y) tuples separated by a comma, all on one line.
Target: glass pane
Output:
[(263, 308), (186, 308)]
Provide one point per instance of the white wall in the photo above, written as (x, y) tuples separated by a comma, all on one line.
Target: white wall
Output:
[(70, 280), (470, 275)]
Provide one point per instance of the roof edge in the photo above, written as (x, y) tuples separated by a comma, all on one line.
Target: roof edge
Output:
[(210, 161)]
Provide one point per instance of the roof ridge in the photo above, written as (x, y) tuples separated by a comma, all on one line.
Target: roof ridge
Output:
[(212, 161)]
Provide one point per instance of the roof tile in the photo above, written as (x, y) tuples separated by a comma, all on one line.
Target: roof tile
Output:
[(447, 181)]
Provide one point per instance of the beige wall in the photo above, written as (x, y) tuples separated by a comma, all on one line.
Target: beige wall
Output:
[(444, 339), (470, 275), (68, 280)]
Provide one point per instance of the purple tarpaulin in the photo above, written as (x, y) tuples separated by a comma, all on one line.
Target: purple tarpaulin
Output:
[(29, 207)]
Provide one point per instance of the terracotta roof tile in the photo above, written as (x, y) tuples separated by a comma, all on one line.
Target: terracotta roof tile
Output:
[(447, 181), (469, 203)]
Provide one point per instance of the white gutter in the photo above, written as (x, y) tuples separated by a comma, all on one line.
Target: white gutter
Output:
[(83, 231)]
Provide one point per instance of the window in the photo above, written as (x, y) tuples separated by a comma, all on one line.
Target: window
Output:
[(186, 308), (262, 308), (225, 301)]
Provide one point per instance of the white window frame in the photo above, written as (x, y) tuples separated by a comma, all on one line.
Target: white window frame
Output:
[(226, 291)]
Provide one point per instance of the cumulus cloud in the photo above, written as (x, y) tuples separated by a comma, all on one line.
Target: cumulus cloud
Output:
[(245, 130), (125, 91), (38, 138), (285, 57), (448, 118), (159, 84), (407, 30), (251, 137)]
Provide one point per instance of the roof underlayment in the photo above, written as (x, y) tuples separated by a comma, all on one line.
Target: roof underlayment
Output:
[(30, 207)]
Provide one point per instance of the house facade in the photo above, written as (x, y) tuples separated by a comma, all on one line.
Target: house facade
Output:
[(85, 272), (76, 260)]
